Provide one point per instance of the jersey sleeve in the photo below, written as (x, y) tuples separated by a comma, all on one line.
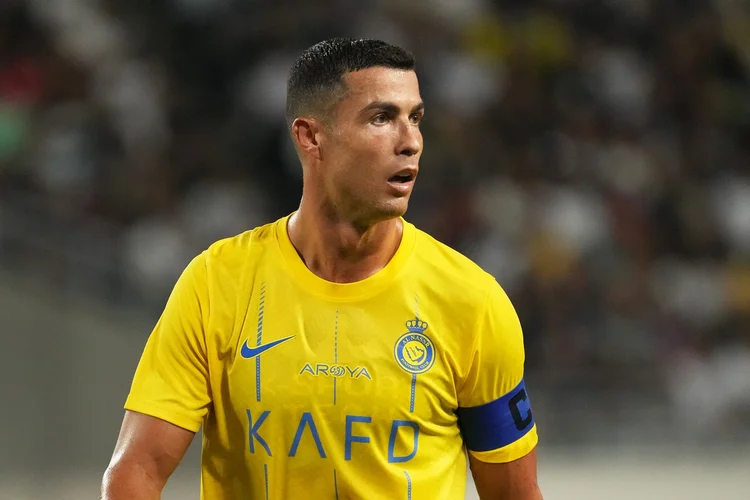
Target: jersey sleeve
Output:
[(171, 381), (494, 412)]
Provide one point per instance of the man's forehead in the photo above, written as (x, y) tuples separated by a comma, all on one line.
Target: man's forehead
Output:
[(382, 84)]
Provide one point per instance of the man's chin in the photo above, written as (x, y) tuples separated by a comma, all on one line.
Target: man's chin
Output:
[(395, 208), (381, 212)]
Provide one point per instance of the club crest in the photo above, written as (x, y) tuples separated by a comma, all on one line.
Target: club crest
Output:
[(414, 350)]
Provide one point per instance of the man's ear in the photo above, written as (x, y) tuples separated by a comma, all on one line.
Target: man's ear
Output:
[(306, 136)]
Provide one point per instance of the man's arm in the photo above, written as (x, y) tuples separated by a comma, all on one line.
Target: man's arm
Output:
[(516, 480), (494, 410), (169, 397), (147, 452)]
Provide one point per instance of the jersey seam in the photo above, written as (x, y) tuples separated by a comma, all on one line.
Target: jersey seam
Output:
[(207, 320), (207, 325), (475, 340)]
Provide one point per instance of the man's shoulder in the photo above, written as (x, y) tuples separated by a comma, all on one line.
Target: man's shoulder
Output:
[(452, 269), (242, 248)]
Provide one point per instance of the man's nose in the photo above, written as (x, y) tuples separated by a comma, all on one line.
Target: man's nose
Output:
[(411, 140)]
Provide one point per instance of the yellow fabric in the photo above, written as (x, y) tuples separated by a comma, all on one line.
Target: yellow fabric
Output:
[(362, 371)]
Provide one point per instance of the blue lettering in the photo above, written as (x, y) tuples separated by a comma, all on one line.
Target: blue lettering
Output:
[(254, 431), (350, 438), (327, 370), (307, 418), (398, 443), (392, 458)]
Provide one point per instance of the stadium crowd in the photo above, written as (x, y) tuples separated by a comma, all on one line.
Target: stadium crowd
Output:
[(593, 155)]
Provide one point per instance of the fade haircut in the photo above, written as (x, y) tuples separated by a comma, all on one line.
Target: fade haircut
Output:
[(316, 82)]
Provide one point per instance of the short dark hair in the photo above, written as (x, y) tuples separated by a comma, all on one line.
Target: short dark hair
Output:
[(315, 80)]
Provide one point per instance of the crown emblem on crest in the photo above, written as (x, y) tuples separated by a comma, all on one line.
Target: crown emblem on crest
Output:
[(416, 325)]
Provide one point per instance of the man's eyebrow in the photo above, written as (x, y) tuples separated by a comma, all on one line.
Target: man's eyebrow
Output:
[(390, 107)]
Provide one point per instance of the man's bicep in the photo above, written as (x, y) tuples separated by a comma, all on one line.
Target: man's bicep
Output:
[(495, 365), (494, 409), (150, 444), (515, 480), (494, 414)]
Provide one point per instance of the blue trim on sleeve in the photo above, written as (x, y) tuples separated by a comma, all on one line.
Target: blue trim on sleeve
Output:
[(498, 423)]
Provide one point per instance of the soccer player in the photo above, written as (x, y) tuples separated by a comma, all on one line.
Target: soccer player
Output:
[(339, 352)]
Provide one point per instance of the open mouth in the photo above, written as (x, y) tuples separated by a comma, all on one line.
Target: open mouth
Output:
[(402, 178)]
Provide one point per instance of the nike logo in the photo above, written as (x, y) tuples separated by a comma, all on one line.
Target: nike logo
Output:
[(250, 352)]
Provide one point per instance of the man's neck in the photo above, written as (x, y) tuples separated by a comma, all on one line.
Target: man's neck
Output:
[(342, 251)]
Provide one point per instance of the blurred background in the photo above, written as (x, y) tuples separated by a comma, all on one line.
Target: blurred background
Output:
[(593, 155)]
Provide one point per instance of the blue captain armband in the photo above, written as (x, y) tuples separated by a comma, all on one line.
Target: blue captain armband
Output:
[(498, 423)]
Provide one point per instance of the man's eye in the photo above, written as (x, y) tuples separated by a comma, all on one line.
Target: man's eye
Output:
[(416, 118), (381, 118)]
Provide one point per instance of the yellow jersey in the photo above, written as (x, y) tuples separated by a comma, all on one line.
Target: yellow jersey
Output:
[(311, 389)]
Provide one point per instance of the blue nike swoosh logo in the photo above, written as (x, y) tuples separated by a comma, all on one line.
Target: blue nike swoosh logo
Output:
[(250, 352)]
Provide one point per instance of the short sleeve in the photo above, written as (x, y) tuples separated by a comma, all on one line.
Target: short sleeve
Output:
[(494, 411), (171, 381)]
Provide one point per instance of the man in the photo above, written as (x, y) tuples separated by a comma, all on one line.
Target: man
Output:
[(339, 352)]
